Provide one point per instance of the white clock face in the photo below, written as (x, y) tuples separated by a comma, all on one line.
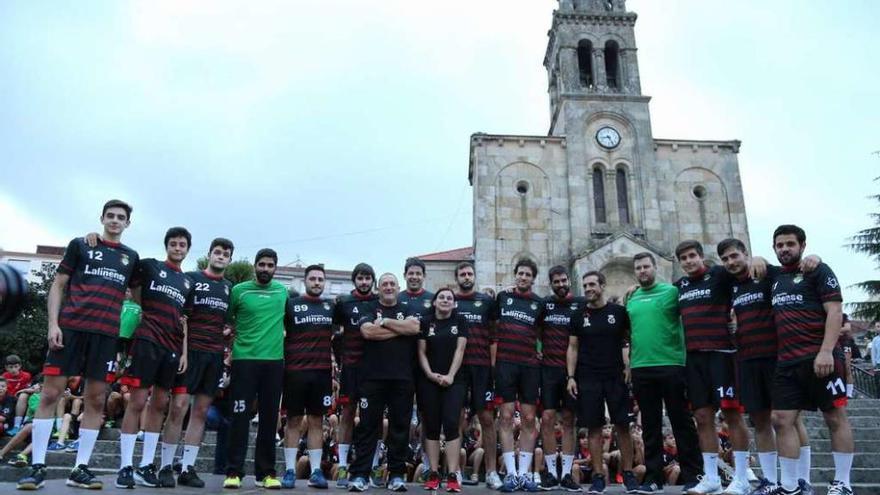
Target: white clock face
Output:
[(608, 137)]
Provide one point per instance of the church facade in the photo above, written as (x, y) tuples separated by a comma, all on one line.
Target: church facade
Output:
[(598, 187)]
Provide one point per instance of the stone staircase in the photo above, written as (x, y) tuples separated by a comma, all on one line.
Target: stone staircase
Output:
[(864, 416)]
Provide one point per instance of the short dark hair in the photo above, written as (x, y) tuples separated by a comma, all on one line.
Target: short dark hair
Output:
[(557, 270), (464, 264), (411, 262), (528, 262), (731, 243), (310, 268), (645, 254), (687, 245), (594, 273), (117, 203), (13, 359), (442, 289), (223, 243), (363, 268), (787, 229), (266, 253), (178, 232)]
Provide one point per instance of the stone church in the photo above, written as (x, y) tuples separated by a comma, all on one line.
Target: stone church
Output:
[(598, 187)]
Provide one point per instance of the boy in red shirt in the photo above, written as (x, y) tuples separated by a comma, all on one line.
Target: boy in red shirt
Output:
[(17, 380)]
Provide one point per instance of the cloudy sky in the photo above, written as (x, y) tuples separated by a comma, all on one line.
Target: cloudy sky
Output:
[(337, 130)]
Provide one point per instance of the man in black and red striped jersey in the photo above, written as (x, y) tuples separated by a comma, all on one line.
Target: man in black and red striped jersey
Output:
[(704, 305), (308, 387), (479, 358), (84, 304), (519, 313), (415, 296), (558, 311), (350, 308), (158, 353), (809, 374), (207, 338)]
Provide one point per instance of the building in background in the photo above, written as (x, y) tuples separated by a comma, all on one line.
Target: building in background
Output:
[(29, 263)]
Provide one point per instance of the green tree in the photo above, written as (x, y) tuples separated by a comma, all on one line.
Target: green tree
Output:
[(237, 271), (26, 336), (867, 241)]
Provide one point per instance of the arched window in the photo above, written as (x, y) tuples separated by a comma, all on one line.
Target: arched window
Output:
[(585, 63), (622, 197), (599, 195), (612, 64)]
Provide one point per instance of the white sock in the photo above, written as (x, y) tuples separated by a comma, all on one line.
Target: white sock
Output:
[(509, 459), (315, 459), (849, 390), (190, 453), (710, 466), (40, 439), (87, 440), (567, 463), (17, 421), (126, 449), (788, 471), (741, 464), (343, 454), (768, 466), (377, 453), (842, 466), (290, 458), (550, 461), (804, 463), (525, 463), (151, 441), (168, 451)]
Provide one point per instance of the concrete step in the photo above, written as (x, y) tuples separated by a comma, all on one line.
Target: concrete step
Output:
[(854, 421), (870, 447), (825, 475), (111, 461), (9, 474), (865, 433)]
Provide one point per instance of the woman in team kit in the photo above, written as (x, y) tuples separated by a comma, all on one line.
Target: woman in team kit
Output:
[(441, 388)]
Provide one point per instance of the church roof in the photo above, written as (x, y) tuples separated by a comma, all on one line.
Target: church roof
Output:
[(460, 254)]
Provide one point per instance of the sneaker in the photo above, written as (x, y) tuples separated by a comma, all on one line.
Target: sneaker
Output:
[(396, 484), (289, 479), (649, 489), (81, 477), (72, 446), (706, 486), (528, 483), (35, 479), (753, 478), (177, 467), (166, 477), (597, 485), (452, 484), (548, 481), (764, 487), (13, 431), (423, 474), (317, 480), (473, 480), (342, 477), (125, 477), (19, 461), (146, 476), (190, 478), (838, 488), (232, 482), (493, 481), (510, 485), (630, 482), (569, 484), (268, 482), (56, 446), (738, 487), (377, 477), (432, 483), (782, 491), (805, 486), (358, 484)]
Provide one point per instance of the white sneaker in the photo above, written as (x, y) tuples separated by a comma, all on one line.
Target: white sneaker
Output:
[(738, 487), (706, 486), (753, 478), (493, 481)]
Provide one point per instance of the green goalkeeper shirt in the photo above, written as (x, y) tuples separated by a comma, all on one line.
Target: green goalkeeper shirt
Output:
[(257, 311)]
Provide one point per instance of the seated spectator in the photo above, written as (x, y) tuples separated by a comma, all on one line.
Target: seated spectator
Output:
[(23, 435), (582, 468), (473, 452), (18, 384), (671, 469), (7, 408)]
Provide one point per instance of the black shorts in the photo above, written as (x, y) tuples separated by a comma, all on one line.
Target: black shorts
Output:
[(711, 380), (151, 364), (350, 380), (479, 387), (796, 387), (516, 382), (595, 392), (309, 391), (86, 354), (755, 383), (553, 390), (203, 373)]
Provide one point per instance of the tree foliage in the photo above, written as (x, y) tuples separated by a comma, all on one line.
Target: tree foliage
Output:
[(26, 336), (237, 271), (867, 241)]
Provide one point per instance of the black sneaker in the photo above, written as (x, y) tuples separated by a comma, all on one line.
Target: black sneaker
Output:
[(146, 476), (81, 477), (125, 477), (649, 489), (630, 482), (190, 478), (805, 487), (548, 481), (685, 488), (178, 467), (597, 485), (166, 477), (569, 484), (35, 479), (782, 491)]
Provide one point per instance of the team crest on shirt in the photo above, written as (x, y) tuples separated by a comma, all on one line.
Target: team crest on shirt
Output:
[(477, 304), (534, 306), (550, 306), (186, 284), (454, 330), (574, 307), (226, 289), (427, 303), (685, 282), (735, 289), (611, 319), (832, 282), (399, 316), (798, 278), (707, 276), (431, 332), (326, 305), (123, 258), (586, 321), (162, 274)]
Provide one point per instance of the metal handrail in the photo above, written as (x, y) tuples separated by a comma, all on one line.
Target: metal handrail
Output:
[(866, 380)]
